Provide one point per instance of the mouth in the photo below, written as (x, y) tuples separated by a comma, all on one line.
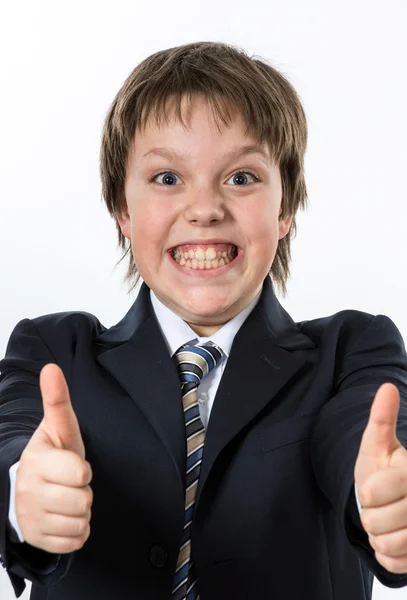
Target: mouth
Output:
[(204, 256)]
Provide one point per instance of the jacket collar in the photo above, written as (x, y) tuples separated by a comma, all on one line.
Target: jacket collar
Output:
[(262, 360)]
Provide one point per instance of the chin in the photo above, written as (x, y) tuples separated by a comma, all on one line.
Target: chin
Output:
[(206, 307)]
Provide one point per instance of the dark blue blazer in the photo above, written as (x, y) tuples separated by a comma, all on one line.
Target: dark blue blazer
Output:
[(276, 515)]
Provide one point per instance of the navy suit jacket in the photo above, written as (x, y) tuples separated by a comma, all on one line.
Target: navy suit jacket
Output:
[(276, 514)]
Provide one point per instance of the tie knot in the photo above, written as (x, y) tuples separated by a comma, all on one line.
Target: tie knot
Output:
[(193, 362)]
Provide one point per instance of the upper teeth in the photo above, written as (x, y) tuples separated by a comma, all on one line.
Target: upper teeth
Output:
[(200, 254)]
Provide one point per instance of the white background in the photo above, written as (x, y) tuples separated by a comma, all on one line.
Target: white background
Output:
[(63, 62)]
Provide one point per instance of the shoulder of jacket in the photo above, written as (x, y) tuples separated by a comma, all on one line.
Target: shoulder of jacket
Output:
[(67, 320)]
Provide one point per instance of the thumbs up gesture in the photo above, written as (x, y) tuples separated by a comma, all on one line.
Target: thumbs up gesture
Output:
[(53, 496), (381, 479)]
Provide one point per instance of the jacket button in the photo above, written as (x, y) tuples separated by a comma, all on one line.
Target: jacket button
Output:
[(158, 556)]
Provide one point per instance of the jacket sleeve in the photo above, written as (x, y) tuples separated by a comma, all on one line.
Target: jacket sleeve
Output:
[(377, 356), (21, 411)]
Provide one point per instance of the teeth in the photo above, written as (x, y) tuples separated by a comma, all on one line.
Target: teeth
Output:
[(204, 259), (210, 253), (202, 255), (202, 264)]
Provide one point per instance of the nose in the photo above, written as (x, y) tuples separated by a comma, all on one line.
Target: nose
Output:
[(204, 208)]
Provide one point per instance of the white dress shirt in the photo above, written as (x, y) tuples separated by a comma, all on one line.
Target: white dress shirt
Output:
[(177, 332)]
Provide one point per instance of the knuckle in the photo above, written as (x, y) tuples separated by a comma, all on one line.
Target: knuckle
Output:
[(83, 475), (28, 457), (22, 488), (77, 543), (389, 563), (403, 478), (64, 545), (367, 522), (86, 534), (74, 543), (89, 494), (381, 546), (86, 504), (86, 473), (383, 560), (22, 515), (365, 496), (81, 527)]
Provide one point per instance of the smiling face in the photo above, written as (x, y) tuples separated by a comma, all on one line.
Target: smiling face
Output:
[(178, 210)]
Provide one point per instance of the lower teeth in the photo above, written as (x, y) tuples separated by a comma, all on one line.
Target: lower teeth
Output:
[(204, 264)]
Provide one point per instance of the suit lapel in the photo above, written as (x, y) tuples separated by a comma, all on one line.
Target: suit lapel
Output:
[(135, 354), (259, 365)]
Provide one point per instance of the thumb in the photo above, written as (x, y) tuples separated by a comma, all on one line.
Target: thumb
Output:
[(379, 439), (59, 422)]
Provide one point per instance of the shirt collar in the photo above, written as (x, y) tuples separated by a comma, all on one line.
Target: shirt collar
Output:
[(177, 332)]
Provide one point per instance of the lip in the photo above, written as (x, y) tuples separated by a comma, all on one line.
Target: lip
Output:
[(208, 273)]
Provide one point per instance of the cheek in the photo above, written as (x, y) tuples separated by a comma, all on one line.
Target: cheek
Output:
[(150, 227), (262, 230)]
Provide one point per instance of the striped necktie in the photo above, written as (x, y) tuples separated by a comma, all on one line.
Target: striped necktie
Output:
[(193, 362)]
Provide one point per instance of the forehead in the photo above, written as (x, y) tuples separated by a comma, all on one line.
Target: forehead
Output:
[(187, 110), (177, 122)]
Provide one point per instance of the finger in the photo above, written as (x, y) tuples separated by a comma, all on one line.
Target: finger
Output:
[(394, 565), (379, 439), (65, 526), (391, 544), (385, 519), (70, 502), (62, 544), (64, 467), (384, 487), (59, 415)]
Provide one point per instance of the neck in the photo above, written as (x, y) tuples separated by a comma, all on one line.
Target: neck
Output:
[(205, 330)]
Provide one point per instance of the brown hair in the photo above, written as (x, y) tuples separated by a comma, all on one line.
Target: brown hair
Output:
[(225, 76)]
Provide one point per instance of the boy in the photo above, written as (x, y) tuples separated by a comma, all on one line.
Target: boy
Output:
[(206, 446)]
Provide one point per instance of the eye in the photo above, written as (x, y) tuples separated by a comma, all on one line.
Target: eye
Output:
[(239, 175), (169, 180)]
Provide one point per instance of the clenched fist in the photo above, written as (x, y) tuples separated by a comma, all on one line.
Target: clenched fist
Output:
[(53, 497)]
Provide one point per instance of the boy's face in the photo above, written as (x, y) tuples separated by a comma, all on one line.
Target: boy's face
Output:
[(197, 204)]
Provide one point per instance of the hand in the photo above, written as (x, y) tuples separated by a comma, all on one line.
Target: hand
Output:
[(381, 479), (53, 496)]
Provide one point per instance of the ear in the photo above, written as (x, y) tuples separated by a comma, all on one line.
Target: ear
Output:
[(284, 226), (123, 218)]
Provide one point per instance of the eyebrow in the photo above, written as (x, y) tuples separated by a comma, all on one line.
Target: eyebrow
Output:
[(172, 153)]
